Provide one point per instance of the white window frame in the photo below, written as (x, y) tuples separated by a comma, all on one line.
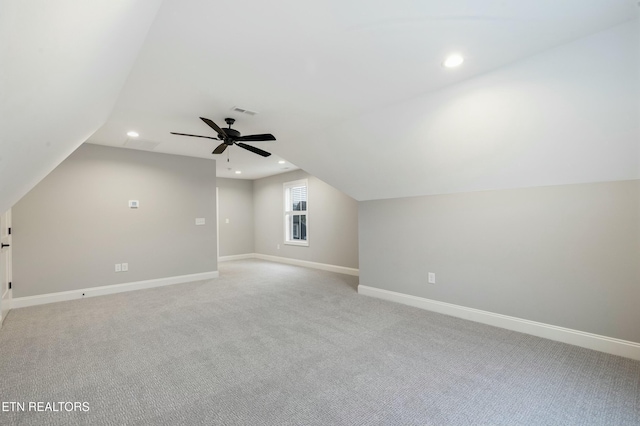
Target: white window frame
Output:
[(287, 205)]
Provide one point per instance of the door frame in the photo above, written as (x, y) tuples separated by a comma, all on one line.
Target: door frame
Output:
[(217, 231), (5, 265)]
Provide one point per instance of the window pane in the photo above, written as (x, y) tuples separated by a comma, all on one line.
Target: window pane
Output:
[(295, 227), (303, 227), (298, 198), (299, 227)]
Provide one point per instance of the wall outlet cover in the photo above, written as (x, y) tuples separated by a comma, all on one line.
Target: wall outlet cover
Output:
[(118, 267), (200, 221), (125, 267), (432, 278)]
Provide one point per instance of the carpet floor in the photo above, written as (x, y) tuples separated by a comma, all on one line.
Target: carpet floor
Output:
[(273, 344)]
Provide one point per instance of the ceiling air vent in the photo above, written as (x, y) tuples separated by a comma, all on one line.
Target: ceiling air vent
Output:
[(243, 111)]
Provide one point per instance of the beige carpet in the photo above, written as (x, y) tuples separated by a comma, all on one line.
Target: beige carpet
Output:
[(272, 344)]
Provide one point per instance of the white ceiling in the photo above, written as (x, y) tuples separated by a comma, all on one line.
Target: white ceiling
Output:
[(332, 80), (307, 67), (568, 115)]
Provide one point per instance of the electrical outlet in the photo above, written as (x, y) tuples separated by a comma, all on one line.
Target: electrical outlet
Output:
[(432, 278), (125, 267), (118, 267)]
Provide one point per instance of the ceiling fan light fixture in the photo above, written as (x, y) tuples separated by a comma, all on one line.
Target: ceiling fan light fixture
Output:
[(132, 134), (452, 61)]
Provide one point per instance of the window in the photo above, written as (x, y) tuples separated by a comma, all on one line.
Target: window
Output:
[(296, 216)]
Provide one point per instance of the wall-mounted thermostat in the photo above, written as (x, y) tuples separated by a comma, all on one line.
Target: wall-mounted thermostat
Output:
[(134, 204)]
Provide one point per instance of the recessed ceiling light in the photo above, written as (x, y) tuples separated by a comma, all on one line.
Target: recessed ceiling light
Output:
[(453, 61), (133, 134), (281, 162), (238, 172)]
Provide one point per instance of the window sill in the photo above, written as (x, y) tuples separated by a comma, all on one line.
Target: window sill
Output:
[(297, 243)]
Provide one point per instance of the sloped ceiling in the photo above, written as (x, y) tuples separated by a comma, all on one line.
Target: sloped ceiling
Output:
[(353, 90), (338, 83), (63, 64), (568, 115)]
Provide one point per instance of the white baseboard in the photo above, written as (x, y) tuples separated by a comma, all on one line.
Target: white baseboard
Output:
[(41, 299), (596, 342), (289, 261), (237, 257), (307, 264)]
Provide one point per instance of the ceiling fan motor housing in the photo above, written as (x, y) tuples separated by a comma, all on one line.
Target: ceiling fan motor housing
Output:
[(232, 133)]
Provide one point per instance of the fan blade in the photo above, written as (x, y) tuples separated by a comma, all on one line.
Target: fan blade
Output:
[(253, 149), (257, 138), (214, 126), (220, 148), (195, 136)]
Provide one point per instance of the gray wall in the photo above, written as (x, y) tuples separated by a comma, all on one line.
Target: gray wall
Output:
[(71, 229), (333, 222), (235, 203), (563, 255)]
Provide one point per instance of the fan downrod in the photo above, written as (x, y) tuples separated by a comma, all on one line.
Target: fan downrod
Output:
[(231, 134)]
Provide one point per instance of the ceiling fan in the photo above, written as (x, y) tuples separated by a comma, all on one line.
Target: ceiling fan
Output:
[(231, 136)]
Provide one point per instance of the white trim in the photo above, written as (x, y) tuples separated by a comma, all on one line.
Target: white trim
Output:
[(237, 257), (299, 182), (5, 305), (566, 335), (308, 264), (296, 262), (303, 243), (41, 299), (5, 265), (217, 226)]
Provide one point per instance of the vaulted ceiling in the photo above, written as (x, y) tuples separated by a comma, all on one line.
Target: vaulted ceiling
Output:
[(354, 91), (62, 67)]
